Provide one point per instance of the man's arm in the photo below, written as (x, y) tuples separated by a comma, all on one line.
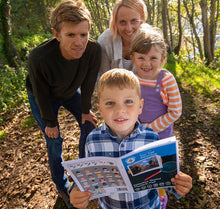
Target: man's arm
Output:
[(89, 82), (40, 87)]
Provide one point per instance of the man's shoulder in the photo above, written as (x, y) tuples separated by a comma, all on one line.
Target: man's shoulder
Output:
[(44, 49), (93, 45)]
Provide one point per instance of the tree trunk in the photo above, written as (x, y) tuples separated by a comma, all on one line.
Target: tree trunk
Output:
[(8, 44), (191, 20), (213, 25), (206, 31), (177, 48), (170, 30), (164, 20)]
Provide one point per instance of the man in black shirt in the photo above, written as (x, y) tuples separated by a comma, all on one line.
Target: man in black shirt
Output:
[(63, 72)]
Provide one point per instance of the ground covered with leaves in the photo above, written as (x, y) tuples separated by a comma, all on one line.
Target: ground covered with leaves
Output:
[(25, 180)]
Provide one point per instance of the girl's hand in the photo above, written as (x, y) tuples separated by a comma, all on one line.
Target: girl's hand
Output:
[(79, 199), (183, 183)]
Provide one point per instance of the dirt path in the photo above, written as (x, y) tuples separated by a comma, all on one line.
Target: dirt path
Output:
[(25, 180)]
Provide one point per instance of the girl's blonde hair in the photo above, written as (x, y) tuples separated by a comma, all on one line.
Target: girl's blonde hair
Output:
[(137, 5), (147, 37), (118, 77), (69, 11)]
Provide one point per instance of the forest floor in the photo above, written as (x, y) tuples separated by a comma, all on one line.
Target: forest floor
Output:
[(25, 180)]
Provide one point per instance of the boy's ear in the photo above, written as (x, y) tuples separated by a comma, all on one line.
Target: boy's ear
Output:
[(56, 34), (131, 57), (141, 105), (98, 106), (100, 109)]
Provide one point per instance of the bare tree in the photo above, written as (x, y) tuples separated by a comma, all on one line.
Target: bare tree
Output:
[(192, 24), (100, 11), (206, 31), (165, 27), (177, 47), (214, 15), (8, 44)]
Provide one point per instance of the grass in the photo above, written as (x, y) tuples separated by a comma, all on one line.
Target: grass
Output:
[(27, 122), (196, 76), (2, 135)]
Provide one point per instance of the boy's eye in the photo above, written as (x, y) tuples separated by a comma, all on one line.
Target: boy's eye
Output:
[(110, 103), (129, 101), (153, 58), (140, 58)]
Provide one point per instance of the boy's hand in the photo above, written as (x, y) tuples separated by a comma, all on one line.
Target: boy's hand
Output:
[(183, 183), (79, 199)]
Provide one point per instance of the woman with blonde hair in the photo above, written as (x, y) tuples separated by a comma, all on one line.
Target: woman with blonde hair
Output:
[(126, 18)]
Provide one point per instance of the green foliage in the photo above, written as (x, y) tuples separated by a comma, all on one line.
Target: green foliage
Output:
[(27, 122), (30, 17), (26, 44), (2, 135), (2, 56), (12, 87), (216, 62), (196, 76), (12, 81)]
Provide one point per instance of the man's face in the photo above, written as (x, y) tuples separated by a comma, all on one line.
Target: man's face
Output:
[(73, 39)]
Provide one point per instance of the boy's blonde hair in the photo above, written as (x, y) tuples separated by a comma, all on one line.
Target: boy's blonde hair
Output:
[(147, 37), (138, 5), (118, 77), (69, 11)]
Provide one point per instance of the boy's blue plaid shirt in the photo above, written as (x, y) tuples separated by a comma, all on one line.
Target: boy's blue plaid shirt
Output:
[(101, 142)]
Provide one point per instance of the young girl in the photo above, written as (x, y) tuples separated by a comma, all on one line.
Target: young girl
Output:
[(159, 89), (162, 100)]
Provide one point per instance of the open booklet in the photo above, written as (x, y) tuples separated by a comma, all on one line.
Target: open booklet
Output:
[(148, 167)]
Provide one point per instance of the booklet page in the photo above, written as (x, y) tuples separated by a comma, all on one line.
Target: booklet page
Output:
[(154, 167), (99, 175)]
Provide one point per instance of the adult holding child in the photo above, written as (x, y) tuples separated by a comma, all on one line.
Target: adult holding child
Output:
[(126, 18), (63, 72)]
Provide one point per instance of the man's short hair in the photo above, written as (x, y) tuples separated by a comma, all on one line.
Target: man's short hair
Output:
[(69, 11)]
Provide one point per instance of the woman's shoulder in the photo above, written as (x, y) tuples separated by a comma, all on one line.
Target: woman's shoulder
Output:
[(106, 36)]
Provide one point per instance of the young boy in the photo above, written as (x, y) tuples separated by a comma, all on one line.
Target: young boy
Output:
[(120, 103)]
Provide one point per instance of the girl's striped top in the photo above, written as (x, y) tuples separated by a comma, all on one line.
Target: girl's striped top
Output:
[(171, 97)]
